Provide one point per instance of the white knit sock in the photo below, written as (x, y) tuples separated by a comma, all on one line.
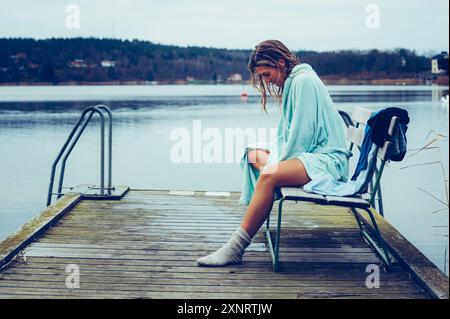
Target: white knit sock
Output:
[(230, 253)]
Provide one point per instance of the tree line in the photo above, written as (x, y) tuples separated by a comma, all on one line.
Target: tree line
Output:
[(60, 60)]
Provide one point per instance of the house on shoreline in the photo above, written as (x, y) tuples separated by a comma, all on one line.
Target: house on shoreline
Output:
[(439, 68)]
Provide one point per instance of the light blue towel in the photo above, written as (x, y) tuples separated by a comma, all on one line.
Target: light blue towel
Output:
[(310, 128), (328, 186)]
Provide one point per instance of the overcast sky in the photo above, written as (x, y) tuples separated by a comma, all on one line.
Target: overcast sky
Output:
[(238, 24)]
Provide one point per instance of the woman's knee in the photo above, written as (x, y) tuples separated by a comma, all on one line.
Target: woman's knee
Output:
[(267, 180), (287, 173)]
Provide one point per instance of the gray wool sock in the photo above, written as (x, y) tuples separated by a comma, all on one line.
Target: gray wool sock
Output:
[(230, 253)]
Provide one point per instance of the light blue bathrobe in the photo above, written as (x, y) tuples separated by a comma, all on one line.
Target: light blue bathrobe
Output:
[(310, 128)]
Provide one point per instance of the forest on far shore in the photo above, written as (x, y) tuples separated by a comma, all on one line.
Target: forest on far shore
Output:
[(59, 61)]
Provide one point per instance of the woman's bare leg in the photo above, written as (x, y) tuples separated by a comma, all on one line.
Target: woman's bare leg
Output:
[(287, 173)]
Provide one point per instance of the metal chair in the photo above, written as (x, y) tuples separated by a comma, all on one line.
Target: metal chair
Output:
[(355, 135)]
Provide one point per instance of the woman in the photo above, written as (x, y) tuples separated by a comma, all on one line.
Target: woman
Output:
[(310, 142)]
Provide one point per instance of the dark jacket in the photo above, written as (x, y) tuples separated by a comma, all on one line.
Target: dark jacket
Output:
[(380, 125), (377, 132)]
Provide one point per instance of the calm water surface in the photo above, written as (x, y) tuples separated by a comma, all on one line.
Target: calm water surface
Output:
[(35, 121)]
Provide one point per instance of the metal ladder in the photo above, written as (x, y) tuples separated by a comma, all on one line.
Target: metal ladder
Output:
[(86, 115)]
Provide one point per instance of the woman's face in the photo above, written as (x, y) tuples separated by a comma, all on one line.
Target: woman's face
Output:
[(270, 75)]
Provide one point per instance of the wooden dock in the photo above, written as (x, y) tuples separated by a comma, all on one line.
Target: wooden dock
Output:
[(145, 246)]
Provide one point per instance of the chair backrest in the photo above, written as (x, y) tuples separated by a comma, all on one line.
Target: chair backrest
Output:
[(356, 125), (355, 133)]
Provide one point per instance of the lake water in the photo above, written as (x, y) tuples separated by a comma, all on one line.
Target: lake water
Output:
[(35, 121)]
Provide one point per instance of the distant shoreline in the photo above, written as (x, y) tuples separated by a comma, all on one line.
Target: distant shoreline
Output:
[(328, 80)]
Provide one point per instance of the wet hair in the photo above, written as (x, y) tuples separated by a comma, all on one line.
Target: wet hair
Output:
[(268, 53)]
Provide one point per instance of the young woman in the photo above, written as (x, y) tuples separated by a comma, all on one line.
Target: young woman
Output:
[(310, 142)]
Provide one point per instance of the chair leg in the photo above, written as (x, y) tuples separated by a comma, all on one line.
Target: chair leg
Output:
[(380, 201), (277, 243), (268, 222), (269, 240), (381, 251), (274, 249)]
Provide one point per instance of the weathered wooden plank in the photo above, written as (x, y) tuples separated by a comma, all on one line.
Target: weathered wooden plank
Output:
[(304, 242), (194, 234), (192, 256), (194, 205), (146, 194), (212, 209), (198, 285), (211, 286), (214, 239), (198, 250), (99, 272), (199, 213), (197, 216), (331, 270), (181, 246), (187, 216), (256, 281), (181, 227), (168, 219), (17, 241), (304, 226), (248, 264), (200, 227), (75, 293), (172, 203), (176, 203), (224, 296)]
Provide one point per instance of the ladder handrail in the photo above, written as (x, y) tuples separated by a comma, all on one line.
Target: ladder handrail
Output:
[(91, 110), (108, 110), (63, 163)]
